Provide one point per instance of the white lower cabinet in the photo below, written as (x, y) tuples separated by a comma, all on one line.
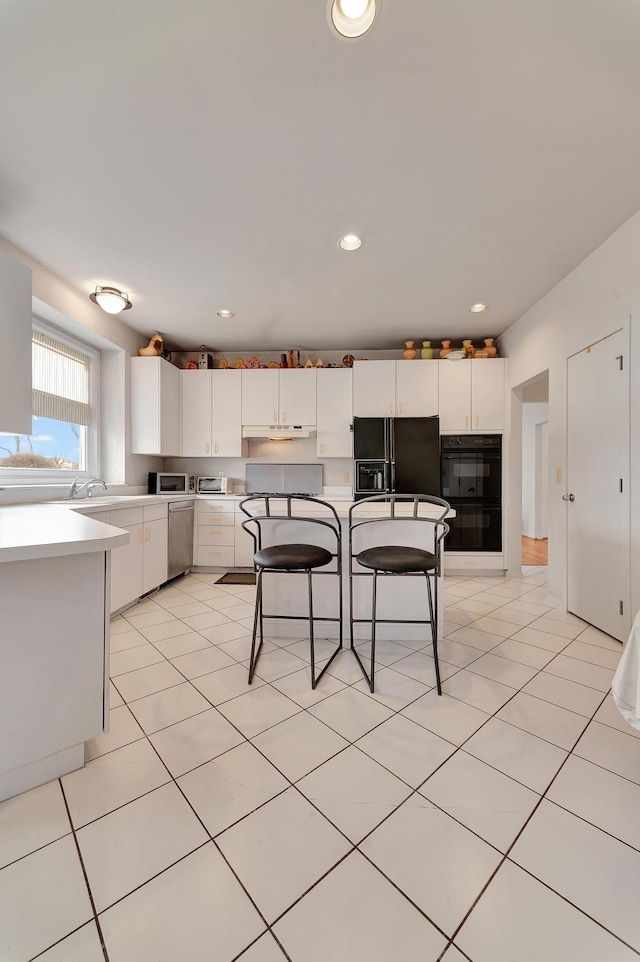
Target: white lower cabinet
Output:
[(141, 565), (220, 541)]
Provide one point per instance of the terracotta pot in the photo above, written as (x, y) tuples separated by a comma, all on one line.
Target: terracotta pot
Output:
[(409, 354), (426, 354), (489, 347), (445, 349)]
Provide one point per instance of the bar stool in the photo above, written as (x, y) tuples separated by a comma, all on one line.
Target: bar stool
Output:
[(266, 513), (389, 559)]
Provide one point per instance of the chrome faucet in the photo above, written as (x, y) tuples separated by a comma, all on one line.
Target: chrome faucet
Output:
[(86, 486)]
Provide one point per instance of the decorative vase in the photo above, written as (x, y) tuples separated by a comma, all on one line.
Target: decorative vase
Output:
[(446, 348), (491, 350), (468, 347), (426, 354), (409, 354)]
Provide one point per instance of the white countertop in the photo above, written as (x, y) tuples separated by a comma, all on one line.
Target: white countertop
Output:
[(33, 531)]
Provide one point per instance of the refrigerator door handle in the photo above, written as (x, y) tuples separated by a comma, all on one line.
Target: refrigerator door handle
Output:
[(391, 479)]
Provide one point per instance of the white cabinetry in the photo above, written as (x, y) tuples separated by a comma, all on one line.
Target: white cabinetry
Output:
[(215, 533), (140, 565), (281, 397), (374, 389), (416, 389), (211, 414), (403, 389), (15, 357), (334, 413), (196, 413), (226, 415), (472, 395), (155, 407)]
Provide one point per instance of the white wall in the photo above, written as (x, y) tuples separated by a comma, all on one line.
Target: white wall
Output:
[(533, 415), (598, 297), (57, 301)]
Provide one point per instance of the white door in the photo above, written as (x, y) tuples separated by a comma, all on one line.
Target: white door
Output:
[(196, 413), (334, 418), (598, 483), (374, 389), (226, 414), (298, 396), (170, 408), (155, 554), (126, 566), (454, 390), (416, 389), (260, 396), (487, 394)]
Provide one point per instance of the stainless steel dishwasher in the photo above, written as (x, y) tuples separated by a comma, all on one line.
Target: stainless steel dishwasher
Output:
[(180, 537)]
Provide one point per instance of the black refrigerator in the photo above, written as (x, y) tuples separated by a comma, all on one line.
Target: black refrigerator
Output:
[(396, 456)]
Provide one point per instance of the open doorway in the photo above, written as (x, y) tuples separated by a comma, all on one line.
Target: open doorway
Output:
[(535, 472)]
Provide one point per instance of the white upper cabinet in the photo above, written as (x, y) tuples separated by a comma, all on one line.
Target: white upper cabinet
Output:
[(374, 389), (472, 395), (196, 413), (226, 415), (297, 396), (286, 396), (15, 357), (155, 407), (455, 395), (416, 389), (260, 401), (487, 394), (334, 435)]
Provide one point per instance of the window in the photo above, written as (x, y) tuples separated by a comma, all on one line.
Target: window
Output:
[(64, 433)]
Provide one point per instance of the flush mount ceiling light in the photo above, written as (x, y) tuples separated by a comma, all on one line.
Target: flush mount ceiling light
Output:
[(110, 299), (352, 18), (350, 242), (477, 308), (222, 313)]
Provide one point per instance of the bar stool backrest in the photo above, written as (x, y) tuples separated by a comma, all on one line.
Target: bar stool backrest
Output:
[(410, 505), (266, 509)]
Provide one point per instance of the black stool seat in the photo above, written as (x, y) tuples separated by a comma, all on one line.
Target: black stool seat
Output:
[(292, 557), (397, 559)]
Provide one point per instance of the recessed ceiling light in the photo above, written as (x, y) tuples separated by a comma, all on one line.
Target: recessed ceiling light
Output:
[(350, 242), (110, 299), (477, 308), (352, 18), (225, 313)]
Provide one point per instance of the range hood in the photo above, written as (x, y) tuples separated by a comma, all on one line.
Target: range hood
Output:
[(277, 431)]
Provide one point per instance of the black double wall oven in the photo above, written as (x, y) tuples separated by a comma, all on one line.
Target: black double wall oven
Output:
[(472, 483)]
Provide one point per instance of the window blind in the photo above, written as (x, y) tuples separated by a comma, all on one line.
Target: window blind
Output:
[(61, 381)]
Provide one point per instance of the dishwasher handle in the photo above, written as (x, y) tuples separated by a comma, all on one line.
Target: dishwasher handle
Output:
[(181, 506)]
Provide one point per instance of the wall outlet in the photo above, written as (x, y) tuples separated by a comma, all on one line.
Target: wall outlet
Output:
[(345, 477), (558, 475)]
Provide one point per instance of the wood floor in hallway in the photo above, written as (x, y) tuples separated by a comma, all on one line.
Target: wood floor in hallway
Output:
[(535, 551)]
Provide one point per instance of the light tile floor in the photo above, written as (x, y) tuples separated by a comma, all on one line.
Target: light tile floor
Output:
[(497, 823)]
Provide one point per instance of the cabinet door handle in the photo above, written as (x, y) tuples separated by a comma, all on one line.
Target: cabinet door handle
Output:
[(214, 531), (466, 420), (214, 552), (391, 409), (275, 417), (163, 446), (206, 447), (400, 407), (477, 420), (215, 448), (215, 519), (140, 535), (322, 449), (148, 534), (284, 417)]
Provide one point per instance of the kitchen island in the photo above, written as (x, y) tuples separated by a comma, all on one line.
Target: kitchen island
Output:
[(54, 640), (398, 597)]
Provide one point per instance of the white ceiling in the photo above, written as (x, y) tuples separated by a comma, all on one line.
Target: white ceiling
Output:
[(209, 153)]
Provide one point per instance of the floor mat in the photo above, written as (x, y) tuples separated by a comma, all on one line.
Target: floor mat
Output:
[(237, 578)]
